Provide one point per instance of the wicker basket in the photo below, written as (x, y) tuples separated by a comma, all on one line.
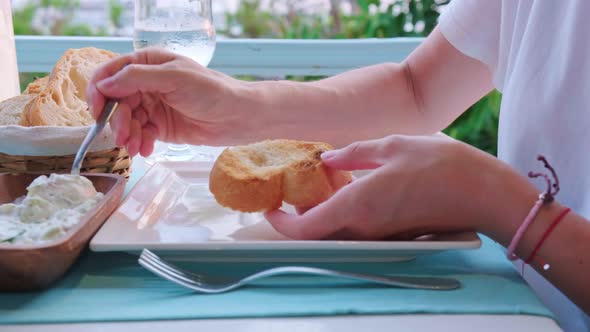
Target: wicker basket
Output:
[(115, 160)]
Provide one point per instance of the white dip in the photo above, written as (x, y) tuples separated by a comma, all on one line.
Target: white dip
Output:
[(51, 207)]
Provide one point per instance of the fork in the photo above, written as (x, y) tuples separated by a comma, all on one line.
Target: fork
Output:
[(204, 283)]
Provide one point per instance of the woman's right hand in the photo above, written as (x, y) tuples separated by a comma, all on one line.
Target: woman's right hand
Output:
[(167, 97)]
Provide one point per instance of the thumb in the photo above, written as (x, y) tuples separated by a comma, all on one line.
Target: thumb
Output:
[(138, 78), (358, 156)]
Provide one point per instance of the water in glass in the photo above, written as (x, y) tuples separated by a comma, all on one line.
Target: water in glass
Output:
[(184, 27)]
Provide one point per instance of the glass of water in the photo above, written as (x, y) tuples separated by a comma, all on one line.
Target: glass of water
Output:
[(184, 27)]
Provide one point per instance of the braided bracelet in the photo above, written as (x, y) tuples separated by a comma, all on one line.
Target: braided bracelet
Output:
[(545, 197)]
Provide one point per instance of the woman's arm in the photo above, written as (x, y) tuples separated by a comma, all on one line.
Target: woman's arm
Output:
[(171, 98), (422, 95)]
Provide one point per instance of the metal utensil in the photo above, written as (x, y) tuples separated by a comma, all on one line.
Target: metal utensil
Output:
[(108, 110), (209, 284)]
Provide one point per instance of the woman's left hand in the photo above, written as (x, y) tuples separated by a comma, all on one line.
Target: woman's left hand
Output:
[(419, 185)]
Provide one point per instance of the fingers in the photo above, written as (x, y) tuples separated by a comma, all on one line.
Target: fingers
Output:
[(135, 136), (94, 98), (142, 138), (362, 155), (300, 227), (141, 115), (133, 130), (150, 57), (301, 210), (443, 136), (337, 178), (120, 123), (134, 101), (129, 108), (330, 217), (148, 139)]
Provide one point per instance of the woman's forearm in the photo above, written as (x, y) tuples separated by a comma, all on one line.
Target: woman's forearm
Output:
[(422, 95), (362, 104)]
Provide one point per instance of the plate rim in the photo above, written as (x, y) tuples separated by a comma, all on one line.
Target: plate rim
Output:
[(474, 243)]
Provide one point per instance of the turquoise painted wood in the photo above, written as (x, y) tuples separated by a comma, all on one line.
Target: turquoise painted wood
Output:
[(262, 57)]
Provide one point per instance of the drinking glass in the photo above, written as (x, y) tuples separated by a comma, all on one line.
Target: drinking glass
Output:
[(184, 27)]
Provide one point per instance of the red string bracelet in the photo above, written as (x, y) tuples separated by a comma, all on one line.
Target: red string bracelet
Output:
[(544, 237), (544, 198)]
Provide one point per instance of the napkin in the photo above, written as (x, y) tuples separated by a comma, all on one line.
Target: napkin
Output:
[(50, 140)]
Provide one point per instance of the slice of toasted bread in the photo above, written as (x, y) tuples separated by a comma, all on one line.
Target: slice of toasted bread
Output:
[(11, 110), (35, 87), (63, 101), (260, 176)]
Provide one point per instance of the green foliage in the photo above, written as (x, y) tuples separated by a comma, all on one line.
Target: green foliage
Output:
[(23, 20), (63, 4), (77, 30), (27, 78), (116, 12), (23, 24), (300, 28), (253, 22), (478, 126), (403, 18)]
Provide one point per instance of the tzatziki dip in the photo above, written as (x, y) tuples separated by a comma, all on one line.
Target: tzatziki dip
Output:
[(51, 207)]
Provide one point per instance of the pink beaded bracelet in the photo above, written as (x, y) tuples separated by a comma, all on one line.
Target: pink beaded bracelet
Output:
[(523, 227), (544, 198)]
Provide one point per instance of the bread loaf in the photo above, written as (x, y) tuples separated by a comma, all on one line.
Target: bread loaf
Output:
[(35, 87), (260, 176), (11, 110), (62, 102)]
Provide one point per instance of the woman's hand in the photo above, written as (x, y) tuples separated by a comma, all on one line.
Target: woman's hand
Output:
[(419, 185), (167, 97)]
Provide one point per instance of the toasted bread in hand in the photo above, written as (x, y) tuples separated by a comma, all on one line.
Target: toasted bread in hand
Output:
[(35, 87), (11, 110), (63, 100), (260, 176)]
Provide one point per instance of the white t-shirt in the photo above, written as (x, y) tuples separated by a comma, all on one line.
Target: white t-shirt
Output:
[(539, 54)]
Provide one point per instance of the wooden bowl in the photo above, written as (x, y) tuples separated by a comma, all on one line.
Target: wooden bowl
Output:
[(34, 267)]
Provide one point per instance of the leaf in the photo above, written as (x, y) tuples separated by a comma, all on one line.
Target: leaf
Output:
[(415, 12), (364, 4), (399, 22)]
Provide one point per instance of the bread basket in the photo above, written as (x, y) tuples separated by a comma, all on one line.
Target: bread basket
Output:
[(43, 150)]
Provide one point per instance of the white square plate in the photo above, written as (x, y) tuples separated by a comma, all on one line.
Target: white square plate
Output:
[(171, 211)]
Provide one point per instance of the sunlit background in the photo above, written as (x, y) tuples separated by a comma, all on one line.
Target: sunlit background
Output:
[(115, 17)]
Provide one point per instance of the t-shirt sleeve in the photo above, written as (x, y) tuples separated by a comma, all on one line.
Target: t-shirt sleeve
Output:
[(473, 27)]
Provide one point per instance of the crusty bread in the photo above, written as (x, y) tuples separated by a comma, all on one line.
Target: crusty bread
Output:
[(35, 87), (63, 100), (11, 110), (260, 176)]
